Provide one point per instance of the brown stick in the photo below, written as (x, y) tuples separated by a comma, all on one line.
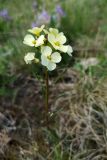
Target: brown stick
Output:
[(46, 95)]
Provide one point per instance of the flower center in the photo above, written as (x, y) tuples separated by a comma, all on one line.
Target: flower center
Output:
[(37, 33), (57, 43), (34, 41), (49, 57)]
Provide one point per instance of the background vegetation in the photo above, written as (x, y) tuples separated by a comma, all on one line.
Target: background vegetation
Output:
[(78, 88)]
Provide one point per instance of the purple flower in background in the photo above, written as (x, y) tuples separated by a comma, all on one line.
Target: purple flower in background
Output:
[(60, 11), (42, 18), (34, 24), (4, 14)]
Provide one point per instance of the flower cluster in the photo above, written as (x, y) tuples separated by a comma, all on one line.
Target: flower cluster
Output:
[(51, 44)]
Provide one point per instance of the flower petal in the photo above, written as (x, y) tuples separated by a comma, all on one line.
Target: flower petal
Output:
[(54, 31), (44, 60), (28, 40), (43, 26), (56, 57), (46, 50), (61, 38), (36, 30), (40, 41), (70, 50), (45, 31), (29, 57), (51, 38), (51, 66), (63, 48)]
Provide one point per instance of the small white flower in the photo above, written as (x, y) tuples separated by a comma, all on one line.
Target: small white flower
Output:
[(49, 59), (31, 41), (57, 40), (29, 57), (36, 30)]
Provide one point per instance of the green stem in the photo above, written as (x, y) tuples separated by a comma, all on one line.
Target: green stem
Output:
[(46, 94)]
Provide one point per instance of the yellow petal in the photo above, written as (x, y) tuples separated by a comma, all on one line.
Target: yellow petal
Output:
[(36, 30), (53, 31)]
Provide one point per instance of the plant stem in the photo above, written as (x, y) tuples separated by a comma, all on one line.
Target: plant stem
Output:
[(46, 94)]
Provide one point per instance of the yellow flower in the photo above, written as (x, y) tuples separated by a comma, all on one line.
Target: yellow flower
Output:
[(57, 40), (31, 41), (36, 30)]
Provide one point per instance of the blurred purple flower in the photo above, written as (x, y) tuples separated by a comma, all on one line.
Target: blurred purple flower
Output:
[(4, 14), (60, 11), (42, 18), (34, 24)]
